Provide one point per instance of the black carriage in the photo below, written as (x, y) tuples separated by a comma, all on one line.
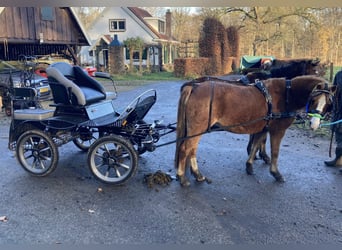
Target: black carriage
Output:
[(85, 114)]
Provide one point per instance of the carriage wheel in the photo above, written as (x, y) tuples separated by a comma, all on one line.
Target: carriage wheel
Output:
[(112, 159), (37, 153), (87, 137)]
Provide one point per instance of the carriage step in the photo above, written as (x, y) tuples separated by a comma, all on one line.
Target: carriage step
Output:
[(32, 114)]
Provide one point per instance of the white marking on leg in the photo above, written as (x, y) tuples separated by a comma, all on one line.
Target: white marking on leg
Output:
[(194, 165)]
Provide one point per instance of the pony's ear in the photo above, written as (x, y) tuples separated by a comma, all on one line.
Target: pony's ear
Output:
[(333, 89), (315, 62)]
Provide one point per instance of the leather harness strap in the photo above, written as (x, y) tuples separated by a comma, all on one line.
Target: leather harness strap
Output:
[(210, 104), (270, 115), (261, 86)]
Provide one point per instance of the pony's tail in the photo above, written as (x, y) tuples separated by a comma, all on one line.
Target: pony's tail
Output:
[(181, 119)]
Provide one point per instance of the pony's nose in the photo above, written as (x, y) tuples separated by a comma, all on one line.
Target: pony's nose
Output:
[(314, 123)]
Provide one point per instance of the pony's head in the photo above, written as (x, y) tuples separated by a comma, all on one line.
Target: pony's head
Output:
[(319, 103)]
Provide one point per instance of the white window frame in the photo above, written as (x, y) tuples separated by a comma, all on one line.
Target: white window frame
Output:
[(117, 21)]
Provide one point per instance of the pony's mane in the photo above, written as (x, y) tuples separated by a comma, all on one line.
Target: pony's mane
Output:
[(289, 70)]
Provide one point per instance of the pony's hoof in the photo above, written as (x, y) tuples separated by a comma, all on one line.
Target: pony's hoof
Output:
[(201, 178), (267, 160), (249, 169), (209, 181), (183, 181), (278, 177)]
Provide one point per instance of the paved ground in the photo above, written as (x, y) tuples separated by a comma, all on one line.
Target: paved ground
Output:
[(67, 207)]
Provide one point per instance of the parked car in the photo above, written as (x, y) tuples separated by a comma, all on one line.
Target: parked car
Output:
[(12, 76), (24, 78)]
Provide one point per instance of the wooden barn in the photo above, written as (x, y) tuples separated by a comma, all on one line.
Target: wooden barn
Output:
[(40, 31)]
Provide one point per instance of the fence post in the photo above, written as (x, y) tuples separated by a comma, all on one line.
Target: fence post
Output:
[(331, 72)]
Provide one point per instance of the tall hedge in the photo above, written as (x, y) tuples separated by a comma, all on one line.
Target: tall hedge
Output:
[(218, 44), (233, 44), (211, 43)]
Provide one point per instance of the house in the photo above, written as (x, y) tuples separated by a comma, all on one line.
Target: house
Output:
[(35, 31), (130, 22)]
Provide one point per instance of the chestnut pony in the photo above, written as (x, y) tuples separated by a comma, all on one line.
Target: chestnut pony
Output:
[(208, 102), (288, 68)]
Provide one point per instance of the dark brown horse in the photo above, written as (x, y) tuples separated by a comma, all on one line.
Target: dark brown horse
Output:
[(211, 102), (288, 68)]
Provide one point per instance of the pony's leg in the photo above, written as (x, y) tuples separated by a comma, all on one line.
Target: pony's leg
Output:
[(182, 165), (261, 147), (257, 140), (250, 144), (193, 162), (195, 171), (262, 150), (187, 154), (275, 146)]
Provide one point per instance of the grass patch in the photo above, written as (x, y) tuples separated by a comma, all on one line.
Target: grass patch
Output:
[(129, 81), (137, 79)]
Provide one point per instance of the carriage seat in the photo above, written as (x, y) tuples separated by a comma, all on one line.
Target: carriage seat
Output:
[(71, 85)]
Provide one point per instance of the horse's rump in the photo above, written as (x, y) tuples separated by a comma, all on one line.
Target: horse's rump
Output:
[(186, 90)]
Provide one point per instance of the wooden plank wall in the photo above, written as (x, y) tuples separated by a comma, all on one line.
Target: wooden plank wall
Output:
[(24, 25)]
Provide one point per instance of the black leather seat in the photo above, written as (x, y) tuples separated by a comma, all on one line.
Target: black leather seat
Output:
[(71, 85)]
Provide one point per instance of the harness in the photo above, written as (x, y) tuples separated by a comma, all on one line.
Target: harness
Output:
[(270, 114)]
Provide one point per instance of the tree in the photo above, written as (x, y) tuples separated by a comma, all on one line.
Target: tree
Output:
[(89, 14), (134, 44), (265, 24)]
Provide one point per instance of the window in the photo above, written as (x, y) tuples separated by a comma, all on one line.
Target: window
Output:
[(136, 54), (47, 13), (117, 25), (161, 26)]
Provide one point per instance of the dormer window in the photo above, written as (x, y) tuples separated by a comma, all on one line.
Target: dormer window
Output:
[(117, 25), (161, 26)]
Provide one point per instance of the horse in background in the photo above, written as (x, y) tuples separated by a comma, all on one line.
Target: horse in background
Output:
[(288, 68), (206, 102)]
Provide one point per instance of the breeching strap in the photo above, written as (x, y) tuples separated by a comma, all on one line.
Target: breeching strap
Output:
[(210, 105)]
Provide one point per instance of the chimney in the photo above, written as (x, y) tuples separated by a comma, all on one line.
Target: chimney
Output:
[(168, 23)]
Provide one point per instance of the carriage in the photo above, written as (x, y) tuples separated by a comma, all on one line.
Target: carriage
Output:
[(84, 113)]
